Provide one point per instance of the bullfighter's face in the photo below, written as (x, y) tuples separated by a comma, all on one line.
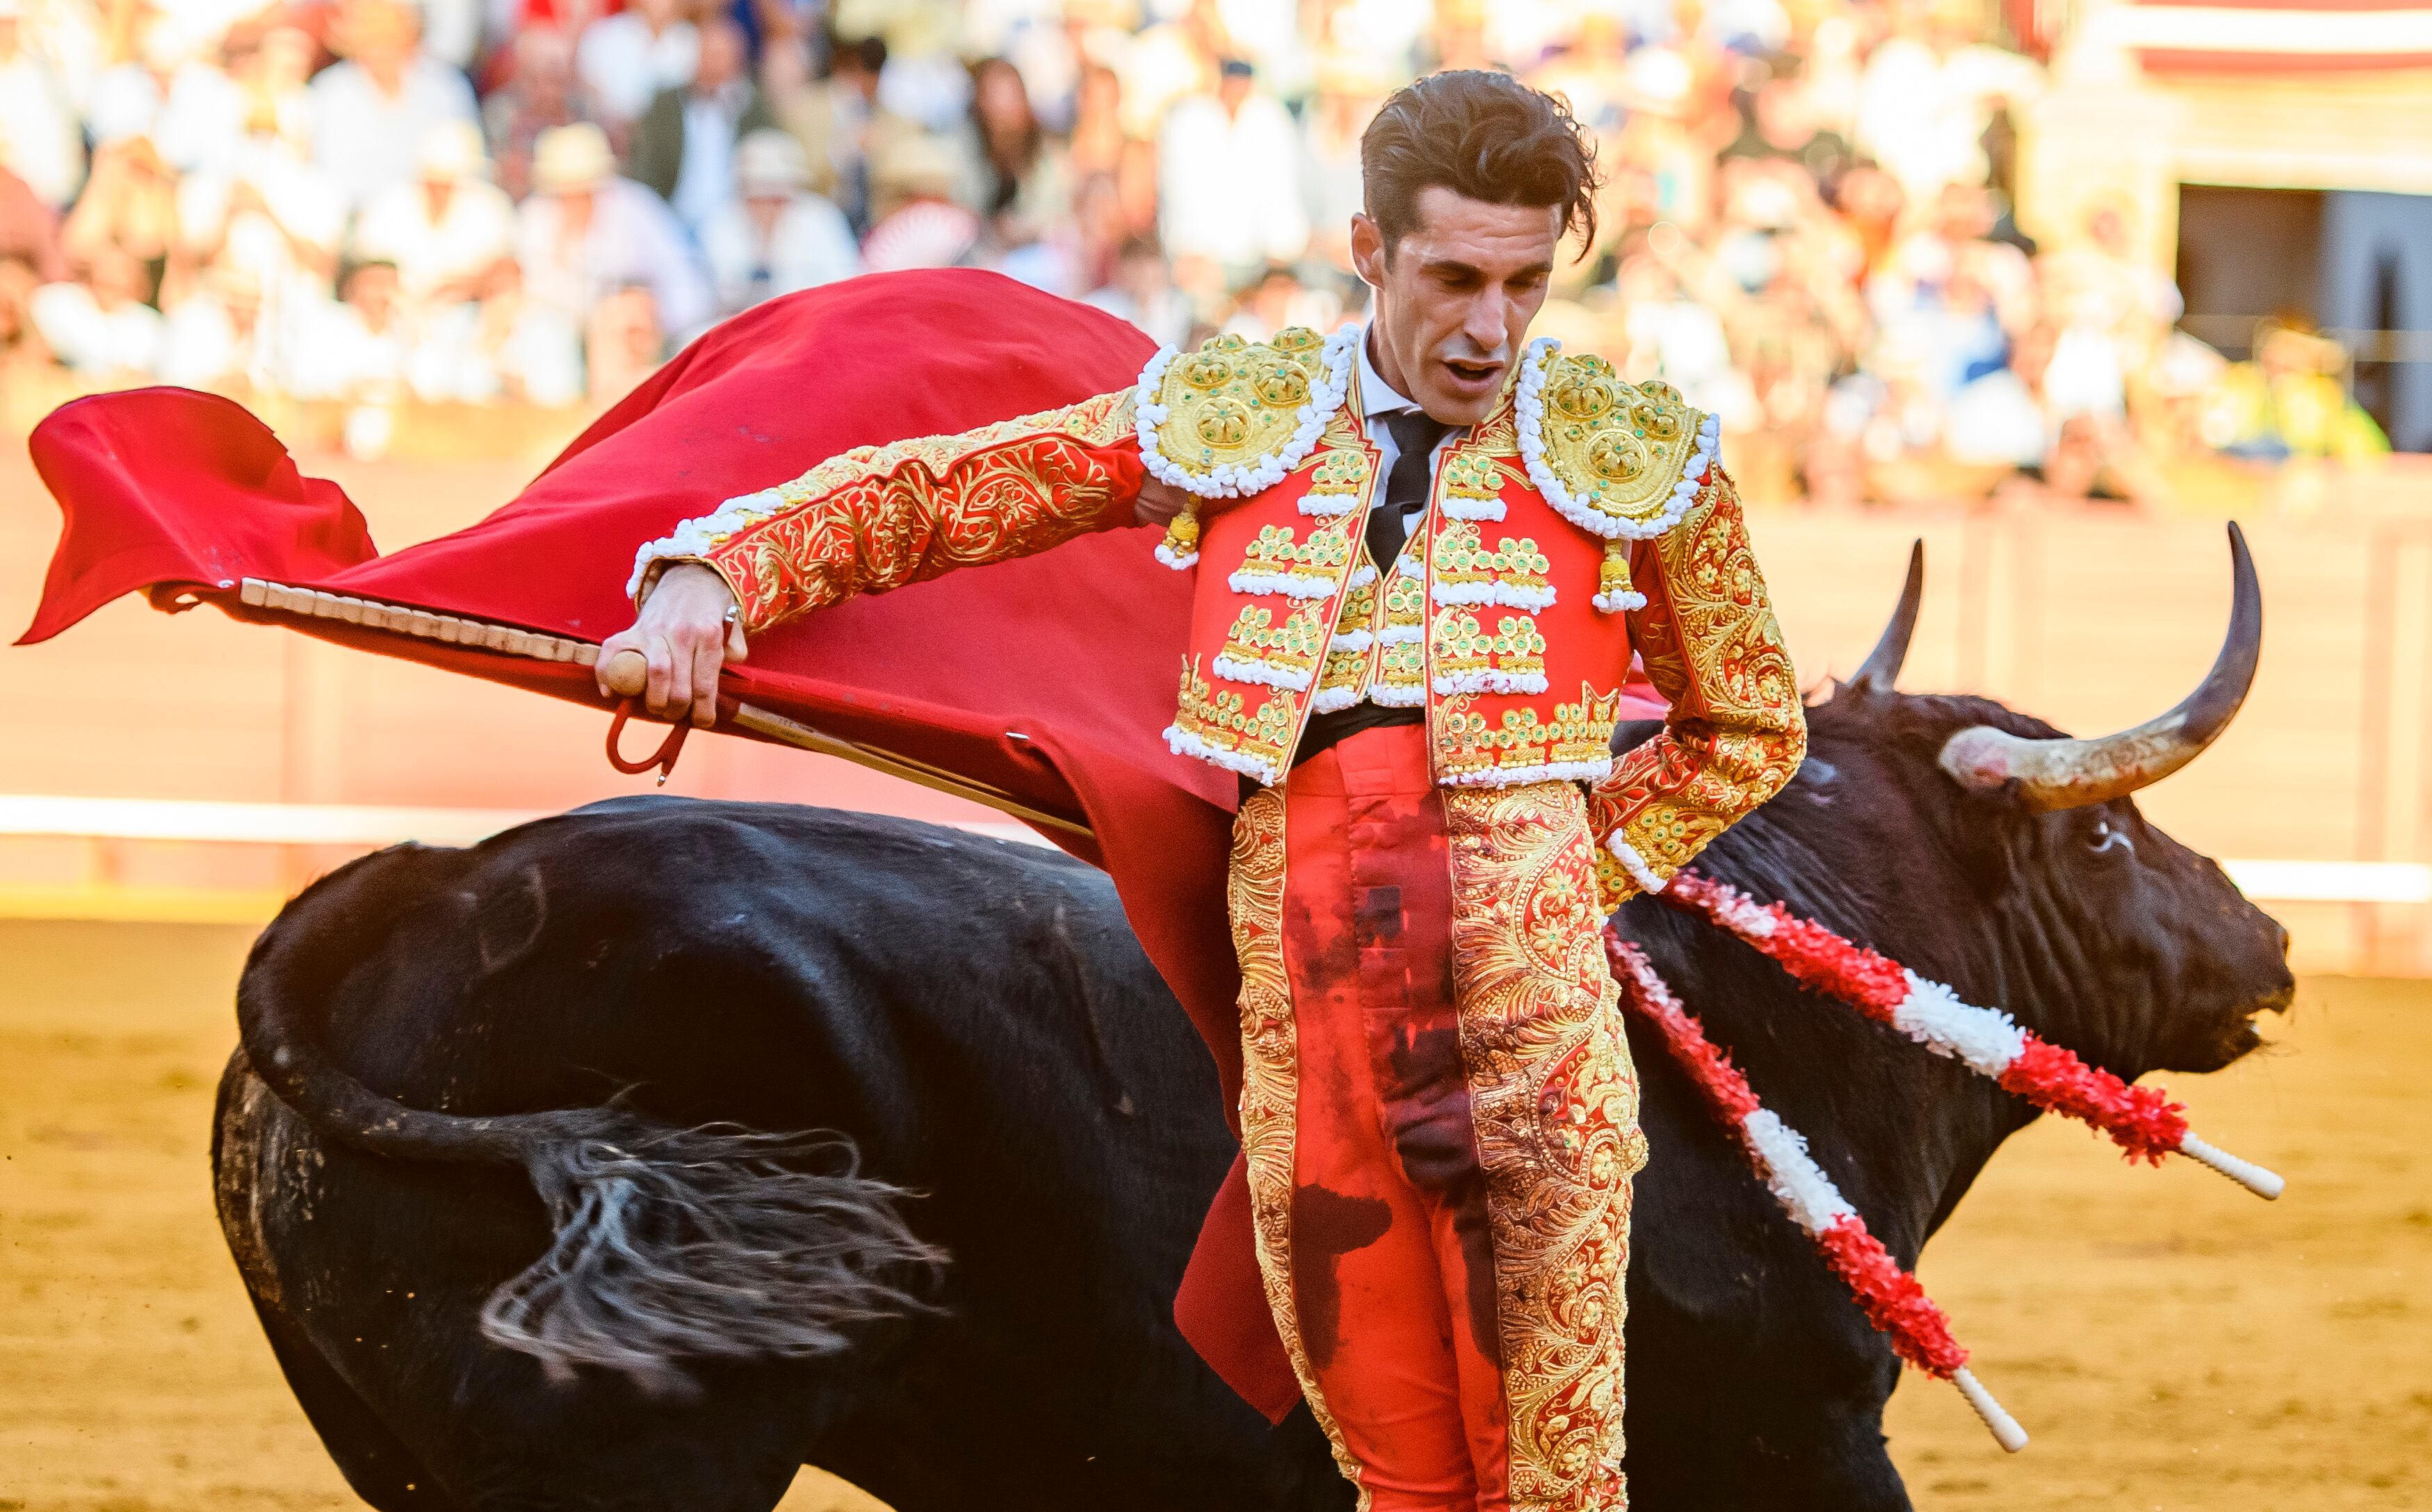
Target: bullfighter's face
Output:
[(1455, 295)]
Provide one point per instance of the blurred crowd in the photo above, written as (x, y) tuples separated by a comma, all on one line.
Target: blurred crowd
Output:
[(1806, 223)]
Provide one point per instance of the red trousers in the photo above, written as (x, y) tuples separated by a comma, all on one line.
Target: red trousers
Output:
[(1441, 1127)]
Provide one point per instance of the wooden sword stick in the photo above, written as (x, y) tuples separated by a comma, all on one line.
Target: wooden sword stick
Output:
[(627, 675)]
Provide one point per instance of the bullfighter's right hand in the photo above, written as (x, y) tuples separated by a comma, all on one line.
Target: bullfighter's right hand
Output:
[(687, 630)]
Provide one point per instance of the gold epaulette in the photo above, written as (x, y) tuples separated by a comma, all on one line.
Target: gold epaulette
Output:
[(1620, 459), (1235, 416)]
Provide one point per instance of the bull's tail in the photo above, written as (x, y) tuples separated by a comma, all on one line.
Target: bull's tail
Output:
[(670, 1244)]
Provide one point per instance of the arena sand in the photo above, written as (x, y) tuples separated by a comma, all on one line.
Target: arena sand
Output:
[(2172, 1342)]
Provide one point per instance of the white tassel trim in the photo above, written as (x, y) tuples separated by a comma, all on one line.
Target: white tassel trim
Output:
[(1472, 508), (1183, 743), (1238, 480), (1278, 582), (1180, 562), (696, 538), (1490, 679), (1259, 672), (1350, 641), (1508, 594), (1595, 771), (1333, 701), (1640, 872), (1328, 505), (1529, 408), (1986, 1038), (1394, 695), (1621, 602), (1804, 1191), (1362, 576), (1402, 634)]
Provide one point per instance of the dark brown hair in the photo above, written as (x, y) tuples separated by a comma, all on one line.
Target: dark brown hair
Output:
[(1482, 134)]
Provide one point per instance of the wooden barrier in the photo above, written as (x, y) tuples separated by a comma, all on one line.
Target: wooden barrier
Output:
[(2090, 617)]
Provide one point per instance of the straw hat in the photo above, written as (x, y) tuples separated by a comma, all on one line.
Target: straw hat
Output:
[(768, 162), (452, 151), (916, 163), (568, 158)]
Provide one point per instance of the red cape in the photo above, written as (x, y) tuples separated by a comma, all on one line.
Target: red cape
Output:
[(1049, 678)]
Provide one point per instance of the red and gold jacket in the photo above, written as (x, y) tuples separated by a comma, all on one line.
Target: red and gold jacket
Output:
[(1583, 520)]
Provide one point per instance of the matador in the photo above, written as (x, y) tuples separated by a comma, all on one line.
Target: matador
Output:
[(1426, 552)]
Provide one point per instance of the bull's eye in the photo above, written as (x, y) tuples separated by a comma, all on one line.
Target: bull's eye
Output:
[(2107, 837)]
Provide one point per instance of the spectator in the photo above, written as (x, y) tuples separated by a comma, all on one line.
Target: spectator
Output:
[(920, 225), (587, 235), (684, 146), (216, 338), (1228, 172), (444, 232), (273, 77), (1019, 169), (355, 348), (100, 326), (503, 347), (189, 108), (2288, 402), (1143, 293), (41, 140), (370, 112), (129, 205), (543, 93), (777, 237), (838, 120), (626, 59)]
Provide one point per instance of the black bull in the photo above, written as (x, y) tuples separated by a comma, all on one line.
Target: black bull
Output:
[(1025, 1099)]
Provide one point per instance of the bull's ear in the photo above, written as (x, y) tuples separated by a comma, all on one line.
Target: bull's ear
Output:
[(1992, 831)]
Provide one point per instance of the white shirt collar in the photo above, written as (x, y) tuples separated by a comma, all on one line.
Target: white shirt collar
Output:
[(1377, 397)]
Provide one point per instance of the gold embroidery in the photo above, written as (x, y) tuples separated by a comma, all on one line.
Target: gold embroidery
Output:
[(877, 517), (1712, 647), (1260, 650), (1554, 1109), (1469, 473), (1274, 558), (1580, 734), (1271, 1078), (1344, 469), (1221, 720), (1618, 448), (1463, 562), (1512, 653), (1235, 401)]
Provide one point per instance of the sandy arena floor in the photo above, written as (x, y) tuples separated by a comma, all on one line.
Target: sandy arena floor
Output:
[(2172, 1342)]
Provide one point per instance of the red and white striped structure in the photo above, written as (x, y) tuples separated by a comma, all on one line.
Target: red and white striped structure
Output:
[(1891, 1298), (2141, 1119)]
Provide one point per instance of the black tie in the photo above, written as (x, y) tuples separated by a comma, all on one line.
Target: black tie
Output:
[(1415, 435)]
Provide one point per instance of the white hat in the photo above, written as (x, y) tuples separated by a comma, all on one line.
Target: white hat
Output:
[(571, 157), (452, 150), (768, 162)]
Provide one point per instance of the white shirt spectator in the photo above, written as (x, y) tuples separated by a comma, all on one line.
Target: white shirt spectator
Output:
[(41, 140), (705, 176), (810, 245), (91, 339), (365, 139), (632, 240), (197, 122), (475, 229), (1228, 183), (626, 64)]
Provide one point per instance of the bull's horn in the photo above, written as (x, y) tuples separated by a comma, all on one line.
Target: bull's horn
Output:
[(1881, 667), (2062, 773)]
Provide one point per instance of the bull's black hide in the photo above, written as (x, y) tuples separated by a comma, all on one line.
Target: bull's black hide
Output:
[(977, 1016)]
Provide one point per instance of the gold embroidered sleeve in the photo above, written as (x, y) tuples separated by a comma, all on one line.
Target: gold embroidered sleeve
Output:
[(878, 517), (1737, 730)]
